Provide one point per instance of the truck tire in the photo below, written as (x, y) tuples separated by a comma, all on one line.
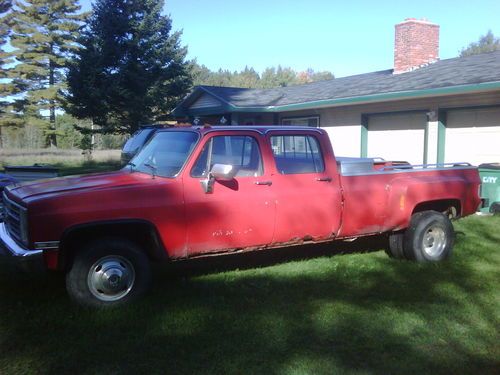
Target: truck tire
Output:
[(429, 238), (108, 272), (395, 249)]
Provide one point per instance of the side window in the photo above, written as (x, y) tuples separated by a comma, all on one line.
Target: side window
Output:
[(297, 154), (239, 151)]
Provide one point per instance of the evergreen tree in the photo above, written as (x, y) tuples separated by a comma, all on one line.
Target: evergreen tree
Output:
[(278, 77), (43, 36), (200, 74), (486, 43), (131, 68), (270, 78), (247, 78), (7, 88)]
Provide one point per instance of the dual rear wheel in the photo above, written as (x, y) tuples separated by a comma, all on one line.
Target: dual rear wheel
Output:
[(428, 238)]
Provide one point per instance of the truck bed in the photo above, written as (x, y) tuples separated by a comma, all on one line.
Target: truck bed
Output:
[(379, 196)]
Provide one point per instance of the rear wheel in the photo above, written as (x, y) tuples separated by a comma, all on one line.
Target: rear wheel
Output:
[(395, 249), (108, 272), (429, 238)]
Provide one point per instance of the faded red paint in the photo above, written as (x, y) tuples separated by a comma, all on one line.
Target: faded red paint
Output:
[(240, 214)]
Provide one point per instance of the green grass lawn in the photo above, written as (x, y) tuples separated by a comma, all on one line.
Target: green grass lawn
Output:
[(278, 312)]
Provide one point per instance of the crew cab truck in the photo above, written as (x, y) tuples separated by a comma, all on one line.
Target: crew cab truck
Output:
[(202, 191)]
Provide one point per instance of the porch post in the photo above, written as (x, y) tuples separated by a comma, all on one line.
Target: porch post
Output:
[(441, 124), (364, 136)]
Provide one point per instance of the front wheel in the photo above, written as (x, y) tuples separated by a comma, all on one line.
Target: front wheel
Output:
[(108, 272), (429, 238)]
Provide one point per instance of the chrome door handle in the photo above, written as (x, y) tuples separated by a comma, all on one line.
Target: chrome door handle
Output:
[(324, 179), (268, 183)]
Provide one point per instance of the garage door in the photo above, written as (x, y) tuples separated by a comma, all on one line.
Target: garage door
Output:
[(397, 136), (473, 136)]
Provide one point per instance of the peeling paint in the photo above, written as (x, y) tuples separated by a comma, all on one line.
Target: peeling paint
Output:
[(229, 232)]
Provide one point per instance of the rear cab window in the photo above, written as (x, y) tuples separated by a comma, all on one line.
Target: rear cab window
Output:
[(297, 153), (240, 151)]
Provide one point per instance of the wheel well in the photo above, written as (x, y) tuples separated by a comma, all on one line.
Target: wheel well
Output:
[(142, 233), (450, 207)]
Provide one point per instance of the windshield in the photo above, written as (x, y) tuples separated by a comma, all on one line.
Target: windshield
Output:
[(165, 154)]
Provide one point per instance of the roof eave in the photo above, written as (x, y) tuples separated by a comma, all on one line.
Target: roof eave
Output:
[(383, 97), (373, 98)]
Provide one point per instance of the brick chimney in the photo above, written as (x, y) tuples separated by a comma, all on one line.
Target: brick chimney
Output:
[(416, 44)]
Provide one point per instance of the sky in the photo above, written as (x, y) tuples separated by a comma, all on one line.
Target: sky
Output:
[(345, 37)]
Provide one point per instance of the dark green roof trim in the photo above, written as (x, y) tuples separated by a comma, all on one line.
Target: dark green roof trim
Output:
[(181, 110)]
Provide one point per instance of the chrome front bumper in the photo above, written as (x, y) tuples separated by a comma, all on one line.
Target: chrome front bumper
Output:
[(11, 252)]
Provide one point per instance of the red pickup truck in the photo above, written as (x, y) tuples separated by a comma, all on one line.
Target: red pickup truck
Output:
[(210, 190)]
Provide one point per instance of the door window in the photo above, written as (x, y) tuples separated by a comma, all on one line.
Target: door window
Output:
[(240, 151), (297, 154)]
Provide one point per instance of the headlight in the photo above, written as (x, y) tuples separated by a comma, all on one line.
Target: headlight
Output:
[(23, 221)]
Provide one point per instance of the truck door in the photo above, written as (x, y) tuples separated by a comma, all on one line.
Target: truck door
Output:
[(237, 214), (307, 186)]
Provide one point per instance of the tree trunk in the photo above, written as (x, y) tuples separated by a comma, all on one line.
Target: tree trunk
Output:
[(52, 109)]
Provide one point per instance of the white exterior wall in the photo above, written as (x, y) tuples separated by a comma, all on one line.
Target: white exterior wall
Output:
[(342, 126), (432, 142), (464, 141), (346, 140)]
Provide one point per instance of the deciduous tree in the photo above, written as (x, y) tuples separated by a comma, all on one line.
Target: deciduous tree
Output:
[(486, 43)]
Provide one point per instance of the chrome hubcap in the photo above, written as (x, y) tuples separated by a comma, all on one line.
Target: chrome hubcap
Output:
[(111, 278), (434, 241)]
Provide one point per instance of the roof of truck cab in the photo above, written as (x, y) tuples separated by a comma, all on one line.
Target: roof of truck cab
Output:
[(260, 129)]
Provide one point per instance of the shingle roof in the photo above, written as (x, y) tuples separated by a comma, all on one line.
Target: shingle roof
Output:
[(444, 73)]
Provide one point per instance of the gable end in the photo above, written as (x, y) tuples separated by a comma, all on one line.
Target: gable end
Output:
[(205, 101)]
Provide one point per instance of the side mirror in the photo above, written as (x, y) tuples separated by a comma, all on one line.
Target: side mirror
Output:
[(221, 172)]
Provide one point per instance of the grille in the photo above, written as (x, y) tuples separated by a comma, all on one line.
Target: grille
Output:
[(12, 217)]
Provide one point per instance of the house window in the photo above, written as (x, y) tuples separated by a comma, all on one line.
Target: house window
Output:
[(312, 121)]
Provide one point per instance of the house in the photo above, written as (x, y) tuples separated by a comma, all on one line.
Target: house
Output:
[(424, 110)]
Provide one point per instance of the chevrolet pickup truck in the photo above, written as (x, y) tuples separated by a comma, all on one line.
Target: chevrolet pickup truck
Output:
[(202, 191)]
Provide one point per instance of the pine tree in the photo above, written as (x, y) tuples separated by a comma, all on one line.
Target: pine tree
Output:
[(278, 77), (131, 69), (43, 35), (7, 88)]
